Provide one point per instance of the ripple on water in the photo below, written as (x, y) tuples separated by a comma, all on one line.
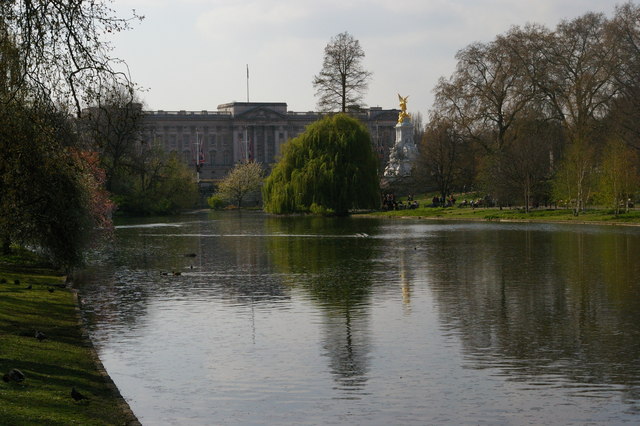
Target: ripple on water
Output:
[(322, 321)]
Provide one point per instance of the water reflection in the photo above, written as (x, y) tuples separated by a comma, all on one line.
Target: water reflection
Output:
[(543, 307), (351, 321), (335, 258)]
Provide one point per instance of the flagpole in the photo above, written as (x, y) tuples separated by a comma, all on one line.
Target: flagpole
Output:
[(246, 146), (197, 156), (247, 83)]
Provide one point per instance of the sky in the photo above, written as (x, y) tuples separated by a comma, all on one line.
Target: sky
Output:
[(193, 54)]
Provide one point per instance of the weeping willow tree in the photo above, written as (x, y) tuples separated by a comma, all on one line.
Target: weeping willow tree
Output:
[(330, 168)]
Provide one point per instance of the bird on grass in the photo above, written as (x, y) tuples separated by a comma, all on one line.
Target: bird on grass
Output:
[(14, 375), (40, 335), (77, 396), (16, 282), (51, 290), (29, 287)]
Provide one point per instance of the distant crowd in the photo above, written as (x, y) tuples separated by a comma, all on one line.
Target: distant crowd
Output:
[(390, 202), (450, 201)]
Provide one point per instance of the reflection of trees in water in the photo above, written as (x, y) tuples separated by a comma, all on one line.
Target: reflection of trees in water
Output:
[(347, 346), (543, 303), (112, 296), (234, 260), (330, 259), (138, 266)]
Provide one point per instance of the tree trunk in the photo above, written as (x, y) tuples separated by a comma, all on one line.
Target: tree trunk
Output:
[(6, 246)]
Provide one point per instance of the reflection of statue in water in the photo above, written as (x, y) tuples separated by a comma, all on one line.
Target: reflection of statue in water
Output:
[(403, 109)]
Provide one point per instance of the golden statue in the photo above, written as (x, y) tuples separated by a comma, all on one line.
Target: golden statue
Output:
[(403, 109)]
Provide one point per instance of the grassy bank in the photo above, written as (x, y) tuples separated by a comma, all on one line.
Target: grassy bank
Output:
[(33, 297), (517, 215)]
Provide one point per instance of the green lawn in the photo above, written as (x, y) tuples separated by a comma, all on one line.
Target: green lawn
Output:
[(54, 365), (537, 215)]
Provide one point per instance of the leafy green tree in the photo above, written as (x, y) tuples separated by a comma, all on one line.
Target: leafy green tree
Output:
[(242, 180), (574, 179), (330, 167), (49, 194), (159, 184), (618, 177), (141, 176), (342, 82)]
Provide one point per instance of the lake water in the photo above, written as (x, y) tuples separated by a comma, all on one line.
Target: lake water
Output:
[(358, 321)]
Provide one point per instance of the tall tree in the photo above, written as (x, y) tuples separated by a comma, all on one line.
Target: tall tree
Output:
[(579, 82), (51, 194), (112, 128), (441, 163), (574, 179), (487, 93), (618, 177), (580, 86), (342, 82), (526, 163), (329, 167), (623, 33)]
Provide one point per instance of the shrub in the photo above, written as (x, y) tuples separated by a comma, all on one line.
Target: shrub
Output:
[(215, 202)]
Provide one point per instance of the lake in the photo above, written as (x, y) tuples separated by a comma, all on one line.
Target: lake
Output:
[(241, 318)]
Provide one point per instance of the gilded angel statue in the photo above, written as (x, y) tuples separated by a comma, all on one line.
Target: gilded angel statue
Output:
[(403, 108)]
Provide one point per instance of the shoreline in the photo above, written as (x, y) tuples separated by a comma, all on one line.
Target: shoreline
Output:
[(36, 299), (130, 417), (513, 215), (499, 220)]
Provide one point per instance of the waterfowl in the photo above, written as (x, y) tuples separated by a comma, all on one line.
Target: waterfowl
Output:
[(14, 375), (77, 395)]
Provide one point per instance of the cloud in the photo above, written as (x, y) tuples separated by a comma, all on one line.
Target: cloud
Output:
[(248, 20), (205, 44)]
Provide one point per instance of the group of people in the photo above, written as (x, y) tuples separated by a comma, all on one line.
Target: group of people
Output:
[(390, 202), (449, 201), (471, 203), (487, 201)]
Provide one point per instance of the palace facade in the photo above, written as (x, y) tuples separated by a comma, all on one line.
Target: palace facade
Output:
[(238, 131)]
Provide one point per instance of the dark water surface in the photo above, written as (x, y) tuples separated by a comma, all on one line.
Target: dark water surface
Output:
[(368, 321)]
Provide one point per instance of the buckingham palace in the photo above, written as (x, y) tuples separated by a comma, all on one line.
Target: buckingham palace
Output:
[(240, 131)]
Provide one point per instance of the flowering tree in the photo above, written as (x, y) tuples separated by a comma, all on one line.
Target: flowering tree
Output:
[(241, 181)]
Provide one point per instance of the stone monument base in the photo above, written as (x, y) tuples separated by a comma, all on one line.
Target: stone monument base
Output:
[(401, 186)]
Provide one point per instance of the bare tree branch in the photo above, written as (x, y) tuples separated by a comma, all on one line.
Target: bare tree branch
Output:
[(342, 82)]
